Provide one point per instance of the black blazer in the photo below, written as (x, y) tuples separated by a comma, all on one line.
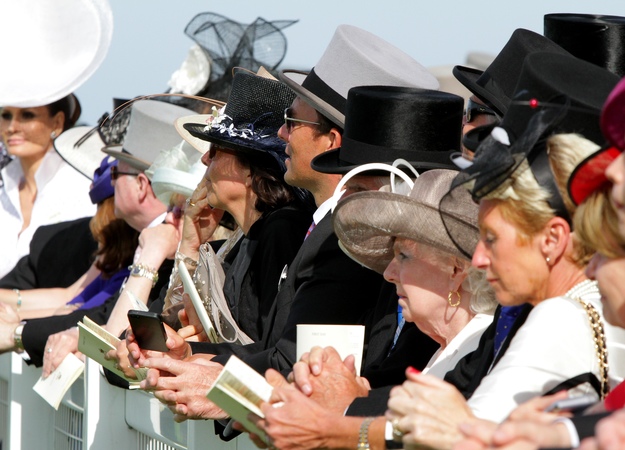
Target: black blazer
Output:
[(69, 245), (385, 364), (323, 286), (36, 331)]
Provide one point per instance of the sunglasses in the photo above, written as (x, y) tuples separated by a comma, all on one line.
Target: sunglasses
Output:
[(474, 109), (289, 121), (116, 173)]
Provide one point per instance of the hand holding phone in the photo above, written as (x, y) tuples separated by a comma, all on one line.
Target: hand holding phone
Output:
[(148, 329)]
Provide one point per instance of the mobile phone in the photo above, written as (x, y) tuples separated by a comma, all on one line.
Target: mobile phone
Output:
[(147, 326), (573, 404)]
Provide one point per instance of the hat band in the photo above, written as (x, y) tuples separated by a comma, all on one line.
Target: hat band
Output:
[(357, 153), (322, 90)]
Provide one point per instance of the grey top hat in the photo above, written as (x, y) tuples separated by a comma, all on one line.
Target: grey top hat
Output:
[(366, 223), (151, 129), (355, 57)]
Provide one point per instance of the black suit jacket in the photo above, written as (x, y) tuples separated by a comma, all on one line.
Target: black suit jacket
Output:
[(37, 331), (69, 245), (323, 286), (385, 364)]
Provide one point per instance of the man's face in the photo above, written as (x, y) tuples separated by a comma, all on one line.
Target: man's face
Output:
[(474, 118), (303, 144), (126, 193)]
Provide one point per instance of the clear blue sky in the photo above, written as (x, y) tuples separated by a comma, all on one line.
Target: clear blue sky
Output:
[(149, 43)]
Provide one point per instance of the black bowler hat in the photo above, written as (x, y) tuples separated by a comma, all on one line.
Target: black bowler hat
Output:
[(250, 121), (384, 123), (594, 38), (495, 85)]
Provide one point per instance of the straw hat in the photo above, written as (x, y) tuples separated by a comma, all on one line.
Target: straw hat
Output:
[(66, 39), (366, 223)]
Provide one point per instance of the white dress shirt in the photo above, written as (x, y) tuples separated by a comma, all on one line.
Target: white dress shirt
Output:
[(62, 195)]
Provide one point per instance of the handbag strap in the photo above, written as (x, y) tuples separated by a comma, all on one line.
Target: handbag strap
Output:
[(601, 348)]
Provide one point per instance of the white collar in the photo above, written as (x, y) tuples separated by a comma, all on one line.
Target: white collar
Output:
[(326, 206), (157, 220), (12, 173)]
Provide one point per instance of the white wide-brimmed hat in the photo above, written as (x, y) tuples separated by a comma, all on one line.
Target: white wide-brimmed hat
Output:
[(81, 148), (52, 47), (355, 57), (151, 130), (177, 170)]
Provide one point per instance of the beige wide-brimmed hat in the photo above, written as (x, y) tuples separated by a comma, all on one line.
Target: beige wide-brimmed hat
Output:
[(355, 57), (52, 48), (366, 223), (151, 130)]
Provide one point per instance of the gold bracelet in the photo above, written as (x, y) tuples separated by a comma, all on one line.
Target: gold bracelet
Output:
[(19, 298), (363, 435), (143, 270), (17, 337)]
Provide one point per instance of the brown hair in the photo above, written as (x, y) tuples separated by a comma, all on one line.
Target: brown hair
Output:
[(69, 106), (116, 239)]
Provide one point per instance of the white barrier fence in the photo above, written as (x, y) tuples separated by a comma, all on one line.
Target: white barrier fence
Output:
[(94, 415)]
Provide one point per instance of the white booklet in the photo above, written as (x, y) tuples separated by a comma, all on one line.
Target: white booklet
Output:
[(346, 339), (240, 390), (95, 342), (53, 388)]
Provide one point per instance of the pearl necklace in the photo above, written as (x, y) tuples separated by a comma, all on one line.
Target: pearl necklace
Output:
[(583, 288)]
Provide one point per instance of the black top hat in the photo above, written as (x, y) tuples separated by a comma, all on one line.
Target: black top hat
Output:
[(251, 119), (384, 123), (495, 85), (547, 75), (555, 94), (593, 38)]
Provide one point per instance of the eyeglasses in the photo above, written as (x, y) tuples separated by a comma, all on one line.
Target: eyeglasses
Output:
[(116, 173), (474, 109), (288, 120)]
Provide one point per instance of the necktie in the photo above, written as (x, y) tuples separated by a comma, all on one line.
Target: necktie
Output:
[(310, 228), (506, 319)]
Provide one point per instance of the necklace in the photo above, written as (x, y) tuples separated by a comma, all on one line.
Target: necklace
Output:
[(583, 288)]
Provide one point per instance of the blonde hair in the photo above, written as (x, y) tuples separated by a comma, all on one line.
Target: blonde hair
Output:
[(524, 203), (597, 226), (482, 300)]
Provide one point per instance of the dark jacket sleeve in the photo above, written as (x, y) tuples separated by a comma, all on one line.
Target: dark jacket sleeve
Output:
[(372, 405), (323, 286), (585, 425), (67, 244)]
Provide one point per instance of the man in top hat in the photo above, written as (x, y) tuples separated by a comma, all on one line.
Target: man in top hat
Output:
[(493, 88), (150, 129), (322, 284)]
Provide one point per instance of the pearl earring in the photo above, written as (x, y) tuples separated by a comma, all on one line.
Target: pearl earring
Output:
[(53, 135)]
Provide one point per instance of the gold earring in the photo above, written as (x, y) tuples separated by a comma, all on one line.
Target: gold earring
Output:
[(453, 305)]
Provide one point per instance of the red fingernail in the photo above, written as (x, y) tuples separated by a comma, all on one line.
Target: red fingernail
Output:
[(413, 370)]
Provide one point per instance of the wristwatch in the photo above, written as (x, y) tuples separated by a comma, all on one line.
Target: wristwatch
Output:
[(17, 337), (141, 270)]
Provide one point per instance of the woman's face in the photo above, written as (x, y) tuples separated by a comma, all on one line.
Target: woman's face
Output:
[(517, 271), (422, 286), (26, 131), (226, 179), (616, 174), (609, 275)]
